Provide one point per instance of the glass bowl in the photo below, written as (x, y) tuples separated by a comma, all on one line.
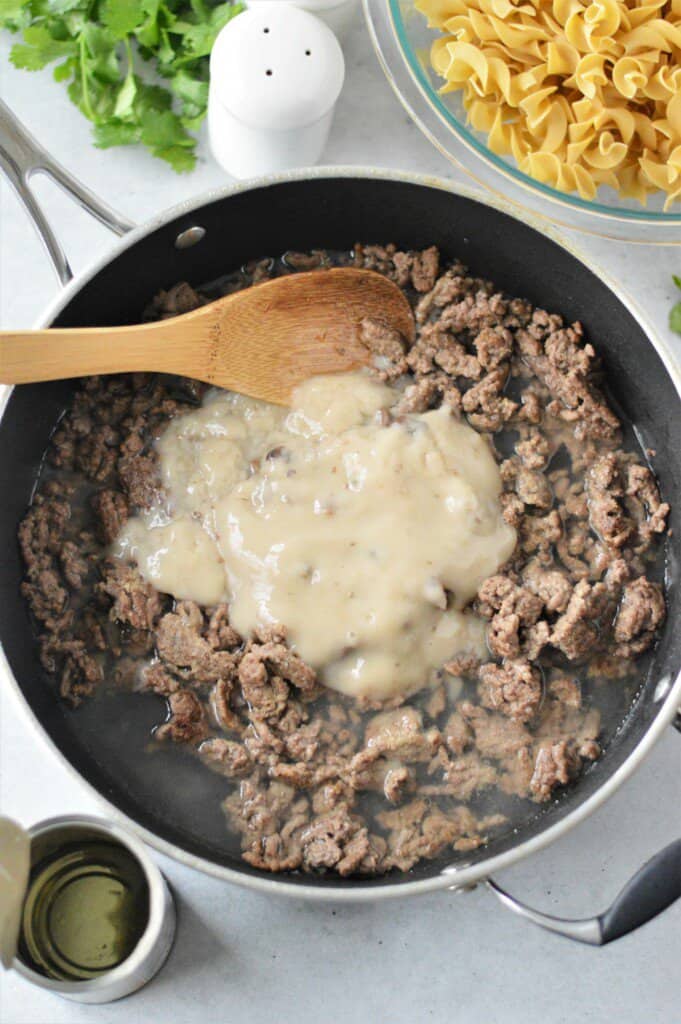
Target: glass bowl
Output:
[(402, 41)]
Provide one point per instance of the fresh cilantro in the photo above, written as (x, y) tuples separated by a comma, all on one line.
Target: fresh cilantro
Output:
[(108, 53)]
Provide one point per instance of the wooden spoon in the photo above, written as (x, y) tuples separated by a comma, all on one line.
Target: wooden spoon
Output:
[(262, 341)]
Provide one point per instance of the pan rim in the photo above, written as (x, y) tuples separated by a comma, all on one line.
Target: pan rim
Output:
[(451, 877)]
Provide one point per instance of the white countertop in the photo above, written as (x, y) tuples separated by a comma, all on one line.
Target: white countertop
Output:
[(241, 957)]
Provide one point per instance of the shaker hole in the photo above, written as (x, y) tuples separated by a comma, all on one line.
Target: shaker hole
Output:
[(265, 30), (308, 53), (269, 71)]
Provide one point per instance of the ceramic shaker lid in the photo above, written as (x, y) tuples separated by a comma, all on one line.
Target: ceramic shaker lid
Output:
[(276, 67)]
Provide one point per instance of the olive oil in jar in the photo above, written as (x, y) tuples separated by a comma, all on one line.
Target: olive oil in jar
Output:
[(86, 908)]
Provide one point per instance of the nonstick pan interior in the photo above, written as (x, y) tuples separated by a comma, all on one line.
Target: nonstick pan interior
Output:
[(320, 213)]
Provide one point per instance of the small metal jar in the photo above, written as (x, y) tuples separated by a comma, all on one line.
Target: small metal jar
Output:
[(47, 838)]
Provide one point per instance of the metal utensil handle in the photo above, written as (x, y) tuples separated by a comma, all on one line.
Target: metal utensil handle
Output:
[(653, 888), (21, 156)]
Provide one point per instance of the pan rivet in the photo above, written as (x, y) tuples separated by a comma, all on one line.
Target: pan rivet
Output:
[(186, 239)]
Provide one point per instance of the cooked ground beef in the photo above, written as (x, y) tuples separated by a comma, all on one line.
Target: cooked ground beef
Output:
[(314, 780)]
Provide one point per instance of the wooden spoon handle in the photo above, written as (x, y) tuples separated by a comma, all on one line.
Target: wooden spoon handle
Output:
[(56, 354)]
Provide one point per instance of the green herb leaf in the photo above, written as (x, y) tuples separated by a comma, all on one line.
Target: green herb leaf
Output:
[(152, 97), (14, 14), (675, 318), (190, 89), (164, 130), (193, 94), (122, 17), (676, 280), (63, 72), (39, 49), (125, 101), (115, 133), (198, 38), (180, 159), (101, 53)]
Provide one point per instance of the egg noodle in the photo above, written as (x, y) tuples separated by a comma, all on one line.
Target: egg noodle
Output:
[(580, 94)]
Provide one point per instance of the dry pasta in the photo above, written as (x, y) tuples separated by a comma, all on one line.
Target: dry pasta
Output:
[(581, 94)]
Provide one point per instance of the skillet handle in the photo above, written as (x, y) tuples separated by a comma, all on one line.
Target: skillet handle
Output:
[(653, 888), (21, 157)]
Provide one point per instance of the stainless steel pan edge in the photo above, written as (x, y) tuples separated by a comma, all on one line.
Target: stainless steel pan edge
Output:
[(457, 877)]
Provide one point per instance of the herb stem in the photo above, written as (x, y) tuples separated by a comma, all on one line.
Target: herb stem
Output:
[(84, 79)]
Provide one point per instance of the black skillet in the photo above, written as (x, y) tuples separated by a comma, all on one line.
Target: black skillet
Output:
[(177, 810)]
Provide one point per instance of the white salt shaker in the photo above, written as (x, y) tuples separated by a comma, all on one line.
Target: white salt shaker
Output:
[(275, 75), (339, 15)]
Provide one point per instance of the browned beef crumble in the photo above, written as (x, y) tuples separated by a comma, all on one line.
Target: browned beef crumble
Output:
[(314, 780)]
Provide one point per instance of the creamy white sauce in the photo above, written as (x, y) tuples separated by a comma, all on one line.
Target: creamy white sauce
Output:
[(366, 540)]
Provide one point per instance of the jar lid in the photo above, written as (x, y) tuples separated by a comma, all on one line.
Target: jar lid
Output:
[(14, 866), (277, 67)]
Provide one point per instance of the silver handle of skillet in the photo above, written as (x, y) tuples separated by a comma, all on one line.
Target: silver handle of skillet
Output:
[(658, 883), (653, 888), (20, 158)]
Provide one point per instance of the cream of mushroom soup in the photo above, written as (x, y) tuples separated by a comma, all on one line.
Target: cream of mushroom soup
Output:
[(366, 534)]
